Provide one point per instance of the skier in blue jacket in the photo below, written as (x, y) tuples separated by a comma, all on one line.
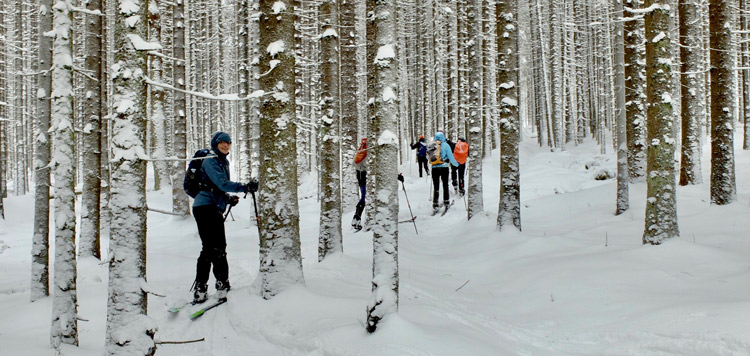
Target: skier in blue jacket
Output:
[(440, 172), (208, 210)]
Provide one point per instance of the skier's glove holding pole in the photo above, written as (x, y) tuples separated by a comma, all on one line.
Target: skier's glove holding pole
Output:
[(400, 177), (233, 200), (251, 186)]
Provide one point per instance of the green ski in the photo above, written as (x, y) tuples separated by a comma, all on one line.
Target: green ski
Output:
[(204, 310)]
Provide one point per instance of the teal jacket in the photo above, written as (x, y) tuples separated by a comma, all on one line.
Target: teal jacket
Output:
[(445, 152)]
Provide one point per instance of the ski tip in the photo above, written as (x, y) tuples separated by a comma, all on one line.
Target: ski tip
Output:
[(197, 314), (174, 310)]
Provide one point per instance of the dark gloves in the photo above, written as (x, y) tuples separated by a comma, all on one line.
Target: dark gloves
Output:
[(251, 186), (233, 200), (400, 177)]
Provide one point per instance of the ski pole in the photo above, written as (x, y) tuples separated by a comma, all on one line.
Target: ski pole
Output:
[(429, 198), (227, 214), (257, 217), (409, 205)]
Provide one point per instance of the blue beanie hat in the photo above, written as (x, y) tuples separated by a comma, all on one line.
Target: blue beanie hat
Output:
[(219, 137)]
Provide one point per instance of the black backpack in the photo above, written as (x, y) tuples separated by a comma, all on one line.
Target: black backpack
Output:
[(194, 182)]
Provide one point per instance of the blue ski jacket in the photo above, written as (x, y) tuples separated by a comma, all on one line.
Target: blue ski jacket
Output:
[(445, 151), (215, 170)]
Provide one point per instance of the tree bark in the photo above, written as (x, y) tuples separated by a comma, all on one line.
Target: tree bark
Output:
[(509, 211), (280, 255), (661, 202), (692, 91), (65, 299), (129, 330), (474, 198), (90, 236), (330, 240), (385, 277), (40, 241), (721, 20)]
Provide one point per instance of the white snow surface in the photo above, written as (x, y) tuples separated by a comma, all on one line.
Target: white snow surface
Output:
[(576, 281)]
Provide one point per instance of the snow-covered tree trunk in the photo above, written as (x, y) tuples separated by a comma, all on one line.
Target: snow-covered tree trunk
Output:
[(3, 114), (243, 71), (129, 330), (42, 141), (474, 163), (65, 300), (745, 27), (18, 101), (330, 240), (385, 280), (556, 82), (721, 22), (635, 107), (89, 239), (349, 111), (692, 91), (623, 200), (280, 255), (180, 201), (661, 202), (158, 99), (509, 211)]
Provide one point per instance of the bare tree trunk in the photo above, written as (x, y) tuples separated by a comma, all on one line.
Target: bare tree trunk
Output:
[(158, 99), (180, 200), (474, 199), (661, 202), (40, 244), (745, 21), (90, 202), (635, 111), (509, 211), (623, 200), (692, 91), (721, 20), (349, 111), (330, 240)]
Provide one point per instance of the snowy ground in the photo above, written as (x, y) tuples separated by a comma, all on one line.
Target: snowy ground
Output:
[(576, 281)]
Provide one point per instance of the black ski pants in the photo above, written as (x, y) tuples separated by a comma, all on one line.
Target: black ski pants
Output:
[(422, 163), (210, 222), (440, 174), (461, 170)]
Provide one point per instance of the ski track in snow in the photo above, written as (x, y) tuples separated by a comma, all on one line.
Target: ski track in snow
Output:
[(566, 285)]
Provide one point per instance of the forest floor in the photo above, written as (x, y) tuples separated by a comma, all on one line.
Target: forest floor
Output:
[(575, 281)]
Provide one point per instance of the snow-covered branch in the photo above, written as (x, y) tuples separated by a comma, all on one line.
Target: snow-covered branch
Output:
[(647, 10), (86, 11), (221, 97)]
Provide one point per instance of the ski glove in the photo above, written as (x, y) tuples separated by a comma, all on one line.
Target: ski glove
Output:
[(251, 186), (233, 200), (400, 177)]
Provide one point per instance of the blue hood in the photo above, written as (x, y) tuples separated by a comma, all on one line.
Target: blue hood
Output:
[(218, 137), (439, 136)]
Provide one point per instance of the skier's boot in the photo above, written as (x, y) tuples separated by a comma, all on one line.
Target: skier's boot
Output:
[(357, 220), (199, 292), (222, 287), (435, 208)]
